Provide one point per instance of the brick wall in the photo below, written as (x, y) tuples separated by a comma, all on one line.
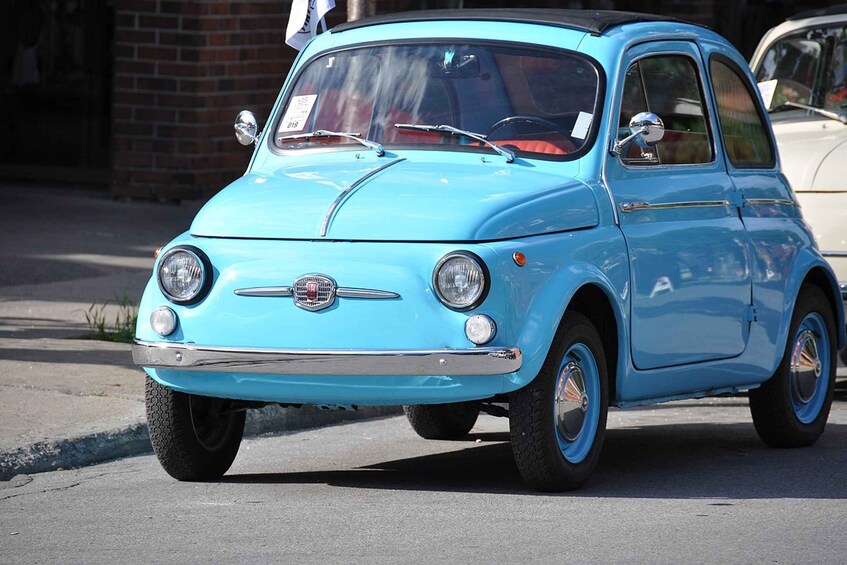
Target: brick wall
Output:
[(183, 70)]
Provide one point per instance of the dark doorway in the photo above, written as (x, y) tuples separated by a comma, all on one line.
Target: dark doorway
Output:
[(55, 89)]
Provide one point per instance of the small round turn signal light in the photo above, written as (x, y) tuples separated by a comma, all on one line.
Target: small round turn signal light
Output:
[(156, 253), (519, 258)]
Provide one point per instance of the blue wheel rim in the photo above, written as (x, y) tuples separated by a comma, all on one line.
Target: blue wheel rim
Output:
[(808, 377), (576, 403)]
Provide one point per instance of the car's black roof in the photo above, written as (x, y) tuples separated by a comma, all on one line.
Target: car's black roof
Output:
[(592, 21), (831, 10)]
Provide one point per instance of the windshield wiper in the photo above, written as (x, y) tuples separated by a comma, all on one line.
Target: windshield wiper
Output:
[(509, 155), (825, 113), (380, 151)]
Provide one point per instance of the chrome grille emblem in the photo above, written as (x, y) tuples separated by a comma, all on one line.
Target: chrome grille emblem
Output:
[(314, 292)]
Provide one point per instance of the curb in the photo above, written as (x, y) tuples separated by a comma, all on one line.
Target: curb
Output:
[(135, 439)]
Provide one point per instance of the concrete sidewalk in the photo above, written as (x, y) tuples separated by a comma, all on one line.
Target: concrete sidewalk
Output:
[(68, 401)]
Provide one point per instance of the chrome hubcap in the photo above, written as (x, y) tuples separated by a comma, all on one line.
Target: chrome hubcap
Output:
[(571, 401), (806, 367)]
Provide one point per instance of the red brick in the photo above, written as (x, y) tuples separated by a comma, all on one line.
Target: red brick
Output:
[(156, 84), (147, 6), (158, 53), (218, 39), (134, 68), (148, 115), (167, 100), (191, 8), (133, 160), (158, 22), (183, 39), (135, 37), (132, 129), (133, 98), (182, 70)]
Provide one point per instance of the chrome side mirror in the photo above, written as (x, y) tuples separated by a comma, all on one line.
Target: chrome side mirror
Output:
[(646, 128), (246, 128)]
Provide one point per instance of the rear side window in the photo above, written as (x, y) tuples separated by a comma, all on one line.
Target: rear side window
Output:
[(745, 135)]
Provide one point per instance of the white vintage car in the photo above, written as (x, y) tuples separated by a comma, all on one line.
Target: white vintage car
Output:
[(801, 67)]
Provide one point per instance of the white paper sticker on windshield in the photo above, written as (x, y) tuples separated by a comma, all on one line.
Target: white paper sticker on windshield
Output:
[(767, 89), (580, 128), (298, 112)]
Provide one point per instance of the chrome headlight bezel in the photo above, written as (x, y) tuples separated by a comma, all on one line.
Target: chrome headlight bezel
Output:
[(480, 296), (205, 272)]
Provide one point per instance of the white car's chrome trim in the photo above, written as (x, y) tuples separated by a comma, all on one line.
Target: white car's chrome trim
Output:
[(400, 362)]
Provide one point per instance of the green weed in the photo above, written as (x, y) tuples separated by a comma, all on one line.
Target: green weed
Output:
[(123, 328)]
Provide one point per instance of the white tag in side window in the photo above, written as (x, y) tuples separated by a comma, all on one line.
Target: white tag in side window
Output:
[(583, 123), (767, 89)]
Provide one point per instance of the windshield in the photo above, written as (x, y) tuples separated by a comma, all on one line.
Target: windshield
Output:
[(534, 102), (810, 68)]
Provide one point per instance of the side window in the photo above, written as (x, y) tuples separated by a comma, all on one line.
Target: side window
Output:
[(744, 133), (666, 85)]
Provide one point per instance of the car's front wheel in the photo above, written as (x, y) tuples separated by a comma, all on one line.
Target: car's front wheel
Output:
[(558, 421), (195, 438), (791, 409)]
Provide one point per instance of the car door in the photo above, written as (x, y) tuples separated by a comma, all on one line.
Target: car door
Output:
[(679, 212)]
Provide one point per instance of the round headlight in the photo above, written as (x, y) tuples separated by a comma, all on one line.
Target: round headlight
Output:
[(182, 275), (460, 280)]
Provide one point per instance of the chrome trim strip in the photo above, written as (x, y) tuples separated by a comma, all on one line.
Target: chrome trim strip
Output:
[(265, 291), (342, 292), (834, 254), (769, 202), (627, 207), (398, 362), (366, 293), (348, 190)]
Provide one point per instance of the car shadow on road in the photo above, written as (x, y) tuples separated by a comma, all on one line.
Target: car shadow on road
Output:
[(712, 461)]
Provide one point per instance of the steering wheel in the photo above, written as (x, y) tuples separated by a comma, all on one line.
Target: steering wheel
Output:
[(509, 120)]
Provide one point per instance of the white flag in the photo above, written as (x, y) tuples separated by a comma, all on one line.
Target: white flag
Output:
[(303, 21)]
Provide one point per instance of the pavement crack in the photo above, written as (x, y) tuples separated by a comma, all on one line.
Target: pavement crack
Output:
[(42, 491)]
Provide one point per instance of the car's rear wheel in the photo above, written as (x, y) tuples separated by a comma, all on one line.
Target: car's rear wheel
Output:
[(441, 421), (558, 421), (791, 409), (195, 438)]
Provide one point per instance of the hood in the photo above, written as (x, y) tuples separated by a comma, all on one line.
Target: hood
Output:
[(810, 152), (393, 199)]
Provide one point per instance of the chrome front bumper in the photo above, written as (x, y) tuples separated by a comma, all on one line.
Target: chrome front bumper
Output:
[(451, 362)]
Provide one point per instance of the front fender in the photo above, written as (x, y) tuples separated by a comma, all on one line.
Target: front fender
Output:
[(557, 268)]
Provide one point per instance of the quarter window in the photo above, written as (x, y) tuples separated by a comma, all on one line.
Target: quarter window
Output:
[(668, 87), (745, 136)]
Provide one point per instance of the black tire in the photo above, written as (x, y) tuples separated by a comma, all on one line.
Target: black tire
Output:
[(546, 457), (195, 438), (790, 410), (441, 421)]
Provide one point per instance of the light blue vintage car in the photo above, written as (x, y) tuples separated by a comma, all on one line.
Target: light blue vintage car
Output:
[(539, 213)]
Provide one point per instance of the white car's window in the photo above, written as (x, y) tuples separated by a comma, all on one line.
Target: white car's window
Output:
[(536, 102), (793, 61)]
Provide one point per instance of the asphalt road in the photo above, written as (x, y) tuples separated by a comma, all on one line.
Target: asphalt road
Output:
[(682, 482)]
